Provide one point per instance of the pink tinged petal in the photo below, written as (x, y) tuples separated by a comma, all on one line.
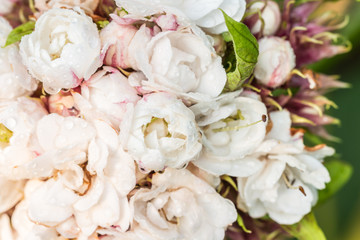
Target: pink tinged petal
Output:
[(167, 22)]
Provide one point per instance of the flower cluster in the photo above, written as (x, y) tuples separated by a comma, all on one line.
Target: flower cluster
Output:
[(117, 120)]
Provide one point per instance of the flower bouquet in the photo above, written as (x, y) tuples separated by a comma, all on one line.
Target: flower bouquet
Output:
[(173, 120)]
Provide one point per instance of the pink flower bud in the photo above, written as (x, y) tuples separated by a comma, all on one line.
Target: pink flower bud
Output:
[(275, 62), (115, 39), (167, 22)]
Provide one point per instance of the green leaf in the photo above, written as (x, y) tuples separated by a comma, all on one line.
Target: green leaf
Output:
[(340, 173), (246, 51), (17, 33), (306, 229), (240, 222)]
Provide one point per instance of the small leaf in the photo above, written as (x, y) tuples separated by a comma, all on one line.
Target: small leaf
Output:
[(340, 173), (17, 33), (246, 51), (240, 222), (306, 229)]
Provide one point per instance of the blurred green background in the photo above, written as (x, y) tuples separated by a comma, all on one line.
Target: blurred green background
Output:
[(339, 217)]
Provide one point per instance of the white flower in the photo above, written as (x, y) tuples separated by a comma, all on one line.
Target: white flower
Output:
[(18, 122), (178, 62), (6, 6), (63, 49), (23, 227), (85, 197), (275, 62), (163, 133), (87, 5), (179, 206), (115, 40), (40, 144), (12, 193), (14, 78), (285, 187), (270, 13), (204, 13), (106, 96), (232, 126)]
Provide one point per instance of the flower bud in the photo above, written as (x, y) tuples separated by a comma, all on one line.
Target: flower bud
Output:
[(270, 13), (275, 62), (115, 40), (6, 6)]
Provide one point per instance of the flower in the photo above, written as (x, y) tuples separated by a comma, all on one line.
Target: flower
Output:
[(178, 62), (106, 95), (275, 62), (115, 40), (162, 133), (232, 128), (18, 120), (179, 206), (63, 49), (87, 5), (285, 187), (40, 144), (270, 15), (23, 227), (14, 77), (86, 195), (204, 13), (6, 6)]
